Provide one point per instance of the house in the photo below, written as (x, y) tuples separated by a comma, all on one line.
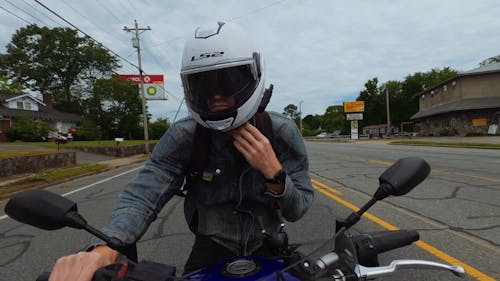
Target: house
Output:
[(466, 103), (12, 106)]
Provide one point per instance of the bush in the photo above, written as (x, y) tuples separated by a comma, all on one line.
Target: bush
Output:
[(27, 129), (87, 131)]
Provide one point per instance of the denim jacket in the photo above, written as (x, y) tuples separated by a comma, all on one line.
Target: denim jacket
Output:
[(230, 201)]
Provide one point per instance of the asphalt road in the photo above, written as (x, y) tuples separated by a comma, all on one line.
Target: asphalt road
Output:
[(456, 211)]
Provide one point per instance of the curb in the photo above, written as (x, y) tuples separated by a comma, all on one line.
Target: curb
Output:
[(110, 165)]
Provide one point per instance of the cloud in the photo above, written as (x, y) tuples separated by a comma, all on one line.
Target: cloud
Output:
[(320, 52)]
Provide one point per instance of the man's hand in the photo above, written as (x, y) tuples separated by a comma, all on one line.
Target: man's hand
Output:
[(83, 265), (256, 149)]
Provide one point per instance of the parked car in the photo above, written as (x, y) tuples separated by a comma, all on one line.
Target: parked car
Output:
[(323, 135)]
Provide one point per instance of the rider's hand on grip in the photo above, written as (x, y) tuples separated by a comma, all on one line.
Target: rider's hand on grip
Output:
[(131, 271), (80, 266)]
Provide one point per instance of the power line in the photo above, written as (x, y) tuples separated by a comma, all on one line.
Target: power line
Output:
[(66, 21), (92, 22), (256, 10), (43, 14), (109, 11), (229, 20), (14, 5), (12, 13)]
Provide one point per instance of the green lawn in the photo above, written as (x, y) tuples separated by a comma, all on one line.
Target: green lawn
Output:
[(18, 152), (457, 144), (49, 176), (103, 143)]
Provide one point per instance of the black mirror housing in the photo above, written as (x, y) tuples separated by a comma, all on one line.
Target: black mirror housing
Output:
[(402, 176)]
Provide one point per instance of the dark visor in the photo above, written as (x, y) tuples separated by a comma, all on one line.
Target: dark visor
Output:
[(238, 81)]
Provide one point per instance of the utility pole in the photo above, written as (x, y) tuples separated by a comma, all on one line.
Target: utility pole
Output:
[(388, 113), (136, 44), (300, 118)]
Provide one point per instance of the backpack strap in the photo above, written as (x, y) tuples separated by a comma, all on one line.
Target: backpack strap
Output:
[(201, 145), (264, 124), (198, 158)]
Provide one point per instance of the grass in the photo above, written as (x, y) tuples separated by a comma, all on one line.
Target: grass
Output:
[(102, 143), (456, 144), (19, 152), (49, 176)]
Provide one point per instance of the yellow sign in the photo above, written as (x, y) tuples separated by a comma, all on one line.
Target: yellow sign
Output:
[(479, 122), (354, 106)]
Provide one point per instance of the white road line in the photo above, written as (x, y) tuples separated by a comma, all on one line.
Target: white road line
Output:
[(91, 185)]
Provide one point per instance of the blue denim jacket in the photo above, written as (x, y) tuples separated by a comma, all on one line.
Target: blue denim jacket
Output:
[(231, 202)]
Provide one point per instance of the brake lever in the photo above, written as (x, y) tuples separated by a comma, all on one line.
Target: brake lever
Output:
[(364, 272)]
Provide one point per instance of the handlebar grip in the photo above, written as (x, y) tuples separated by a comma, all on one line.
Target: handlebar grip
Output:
[(44, 276), (388, 240)]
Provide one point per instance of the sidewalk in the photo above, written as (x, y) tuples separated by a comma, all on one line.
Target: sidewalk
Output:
[(481, 139), (90, 158)]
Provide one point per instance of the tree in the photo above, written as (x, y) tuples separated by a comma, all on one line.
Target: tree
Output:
[(334, 119), (374, 103), (115, 109), (55, 60), (158, 128), (490, 60), (8, 88), (403, 99), (292, 112)]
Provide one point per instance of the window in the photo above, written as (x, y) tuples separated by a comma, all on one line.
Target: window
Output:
[(20, 105), (27, 105)]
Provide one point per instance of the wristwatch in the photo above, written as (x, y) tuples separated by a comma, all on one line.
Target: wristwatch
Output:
[(278, 178)]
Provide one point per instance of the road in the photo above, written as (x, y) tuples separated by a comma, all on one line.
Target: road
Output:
[(456, 211)]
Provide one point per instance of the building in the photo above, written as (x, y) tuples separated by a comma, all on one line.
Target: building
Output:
[(378, 131), (12, 106), (467, 103)]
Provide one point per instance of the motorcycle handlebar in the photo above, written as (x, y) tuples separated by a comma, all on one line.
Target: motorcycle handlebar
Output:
[(383, 241), (44, 276), (389, 240)]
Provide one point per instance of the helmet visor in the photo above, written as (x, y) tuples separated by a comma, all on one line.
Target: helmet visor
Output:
[(238, 81)]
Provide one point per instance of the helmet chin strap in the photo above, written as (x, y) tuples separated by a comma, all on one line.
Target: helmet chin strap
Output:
[(220, 125), (265, 98)]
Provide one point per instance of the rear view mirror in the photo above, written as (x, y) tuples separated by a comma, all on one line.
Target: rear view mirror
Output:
[(402, 177), (43, 209)]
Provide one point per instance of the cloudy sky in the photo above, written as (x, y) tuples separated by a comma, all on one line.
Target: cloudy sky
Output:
[(320, 52)]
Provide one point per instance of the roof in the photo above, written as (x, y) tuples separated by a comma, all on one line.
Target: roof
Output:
[(465, 104), (485, 69), (8, 98), (45, 113), (492, 67)]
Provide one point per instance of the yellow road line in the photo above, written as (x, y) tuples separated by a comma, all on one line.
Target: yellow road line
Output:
[(425, 246), (326, 186), (384, 163)]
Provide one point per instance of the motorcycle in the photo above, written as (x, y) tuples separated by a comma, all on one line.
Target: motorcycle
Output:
[(354, 257)]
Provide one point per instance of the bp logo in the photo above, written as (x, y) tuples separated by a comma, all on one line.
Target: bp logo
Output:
[(151, 90)]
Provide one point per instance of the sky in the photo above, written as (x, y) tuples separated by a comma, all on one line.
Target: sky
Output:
[(317, 53)]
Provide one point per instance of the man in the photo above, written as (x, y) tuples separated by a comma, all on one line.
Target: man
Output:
[(246, 177)]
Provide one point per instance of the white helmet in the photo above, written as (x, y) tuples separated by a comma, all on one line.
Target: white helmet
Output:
[(219, 59)]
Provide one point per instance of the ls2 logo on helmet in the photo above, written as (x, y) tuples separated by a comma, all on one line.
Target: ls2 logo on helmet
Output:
[(207, 55)]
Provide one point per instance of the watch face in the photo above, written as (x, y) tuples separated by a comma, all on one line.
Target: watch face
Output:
[(280, 177)]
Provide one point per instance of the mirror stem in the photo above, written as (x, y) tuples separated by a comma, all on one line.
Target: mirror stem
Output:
[(354, 217), (112, 242)]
